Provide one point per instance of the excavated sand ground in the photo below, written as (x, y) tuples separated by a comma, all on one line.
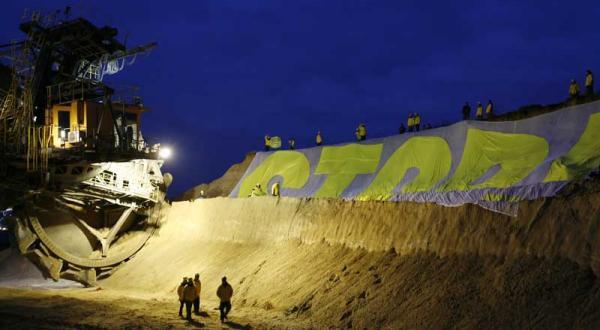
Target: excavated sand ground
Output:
[(333, 264)]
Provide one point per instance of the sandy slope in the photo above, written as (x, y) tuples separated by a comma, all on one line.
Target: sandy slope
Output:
[(324, 263), (221, 186)]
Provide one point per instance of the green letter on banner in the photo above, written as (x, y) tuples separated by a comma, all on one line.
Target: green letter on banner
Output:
[(430, 155), (291, 165), (342, 164), (517, 154), (582, 158)]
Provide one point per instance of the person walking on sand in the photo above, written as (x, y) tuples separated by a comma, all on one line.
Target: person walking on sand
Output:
[(180, 294), (198, 289), (224, 292), (189, 294)]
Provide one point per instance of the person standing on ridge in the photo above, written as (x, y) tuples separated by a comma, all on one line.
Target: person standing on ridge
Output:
[(573, 90), (357, 135), (466, 111), (410, 122), (402, 129), (257, 191), (198, 289), (417, 122), (489, 110), (479, 111), (589, 83), (362, 132), (292, 144), (180, 294), (319, 139), (224, 292), (189, 294), (267, 143), (275, 189)]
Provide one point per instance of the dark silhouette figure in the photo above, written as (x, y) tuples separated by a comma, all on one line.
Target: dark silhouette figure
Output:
[(189, 294), (224, 292), (180, 295), (402, 129), (466, 111), (197, 290)]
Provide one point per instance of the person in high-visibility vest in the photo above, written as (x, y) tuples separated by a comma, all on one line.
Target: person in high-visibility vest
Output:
[(275, 189), (267, 143), (417, 121), (362, 132), (410, 122), (479, 111), (489, 110), (319, 138), (357, 134), (589, 83), (573, 89)]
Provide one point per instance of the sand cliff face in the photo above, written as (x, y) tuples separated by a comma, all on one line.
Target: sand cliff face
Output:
[(377, 264)]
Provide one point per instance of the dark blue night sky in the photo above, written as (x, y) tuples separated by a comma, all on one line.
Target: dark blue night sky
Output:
[(228, 72)]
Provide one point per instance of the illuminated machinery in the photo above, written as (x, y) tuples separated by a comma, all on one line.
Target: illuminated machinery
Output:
[(85, 186)]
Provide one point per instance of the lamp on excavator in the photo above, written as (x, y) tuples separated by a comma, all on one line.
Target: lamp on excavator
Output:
[(165, 153)]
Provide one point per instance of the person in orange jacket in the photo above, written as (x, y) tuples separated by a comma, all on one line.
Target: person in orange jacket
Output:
[(198, 289), (189, 294), (180, 295)]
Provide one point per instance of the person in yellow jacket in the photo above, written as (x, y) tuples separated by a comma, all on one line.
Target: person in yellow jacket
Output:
[(198, 289), (319, 138), (224, 292), (362, 132), (275, 189), (417, 121), (267, 143), (180, 295), (189, 294), (573, 89), (479, 111), (589, 83), (489, 110), (257, 191), (410, 122)]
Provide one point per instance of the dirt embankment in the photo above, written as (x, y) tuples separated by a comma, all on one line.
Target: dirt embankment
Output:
[(326, 263), (222, 186)]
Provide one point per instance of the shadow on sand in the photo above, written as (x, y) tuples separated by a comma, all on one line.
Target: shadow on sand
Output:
[(234, 325)]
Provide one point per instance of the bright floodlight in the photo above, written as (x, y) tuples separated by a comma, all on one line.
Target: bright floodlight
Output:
[(164, 153)]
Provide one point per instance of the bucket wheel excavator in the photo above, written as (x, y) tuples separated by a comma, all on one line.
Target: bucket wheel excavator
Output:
[(84, 187)]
